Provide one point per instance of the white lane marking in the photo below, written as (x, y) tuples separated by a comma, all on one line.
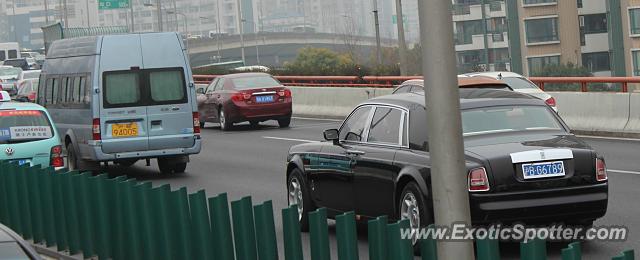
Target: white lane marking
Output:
[(608, 138), (318, 119), (289, 139), (621, 171)]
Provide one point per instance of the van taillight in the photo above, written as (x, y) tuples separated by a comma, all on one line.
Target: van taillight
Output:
[(478, 180), (601, 170), (196, 123), (96, 129), (56, 159)]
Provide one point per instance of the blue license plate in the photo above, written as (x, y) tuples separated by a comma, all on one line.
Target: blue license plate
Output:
[(543, 170), (264, 99)]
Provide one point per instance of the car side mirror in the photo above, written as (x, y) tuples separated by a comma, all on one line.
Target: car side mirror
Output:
[(332, 135), (199, 91)]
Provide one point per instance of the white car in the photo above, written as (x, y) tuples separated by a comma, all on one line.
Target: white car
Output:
[(519, 84)]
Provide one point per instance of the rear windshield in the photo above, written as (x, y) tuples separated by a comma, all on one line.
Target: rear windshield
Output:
[(18, 126), (13, 71), (255, 82), (18, 63), (144, 87), (508, 119), (519, 83)]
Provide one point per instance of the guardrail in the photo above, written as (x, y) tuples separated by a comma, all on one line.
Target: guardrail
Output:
[(120, 218), (575, 84)]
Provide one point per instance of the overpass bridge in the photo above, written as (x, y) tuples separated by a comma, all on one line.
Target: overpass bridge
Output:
[(274, 49)]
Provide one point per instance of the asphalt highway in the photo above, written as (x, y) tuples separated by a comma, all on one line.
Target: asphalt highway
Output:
[(249, 161)]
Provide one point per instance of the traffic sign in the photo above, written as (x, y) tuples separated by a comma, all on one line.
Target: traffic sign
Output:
[(112, 4)]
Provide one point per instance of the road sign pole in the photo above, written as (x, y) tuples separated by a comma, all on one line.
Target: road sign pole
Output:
[(401, 41), (448, 172)]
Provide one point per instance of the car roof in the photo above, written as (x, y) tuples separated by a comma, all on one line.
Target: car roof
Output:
[(495, 74), (245, 74), (20, 106), (464, 82), (469, 98)]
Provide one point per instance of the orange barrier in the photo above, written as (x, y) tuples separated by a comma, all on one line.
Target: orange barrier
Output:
[(393, 81)]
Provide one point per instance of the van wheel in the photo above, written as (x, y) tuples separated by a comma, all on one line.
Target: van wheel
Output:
[(167, 167), (225, 125), (284, 122), (75, 163)]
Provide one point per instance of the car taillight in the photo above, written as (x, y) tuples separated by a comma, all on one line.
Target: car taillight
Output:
[(551, 101), (32, 96), (56, 159), (284, 93), (241, 96), (601, 170), (196, 123), (96, 129), (478, 180)]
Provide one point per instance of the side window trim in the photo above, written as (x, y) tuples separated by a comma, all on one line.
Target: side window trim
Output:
[(401, 130), (365, 132)]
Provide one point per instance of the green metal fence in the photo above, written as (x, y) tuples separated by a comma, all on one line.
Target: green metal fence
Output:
[(120, 218)]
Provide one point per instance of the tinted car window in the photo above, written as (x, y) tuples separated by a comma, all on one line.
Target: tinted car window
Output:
[(507, 119), (122, 88), (353, 128), (519, 83), (418, 135), (402, 89), (255, 82), (23, 125), (385, 126), (167, 85)]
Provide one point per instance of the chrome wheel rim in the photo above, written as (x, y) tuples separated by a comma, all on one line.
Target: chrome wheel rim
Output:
[(295, 196), (410, 210)]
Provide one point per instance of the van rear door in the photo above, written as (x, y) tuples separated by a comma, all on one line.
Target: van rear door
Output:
[(170, 110), (123, 113)]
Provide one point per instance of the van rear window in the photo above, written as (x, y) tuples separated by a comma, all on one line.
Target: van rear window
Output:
[(122, 88), (144, 87)]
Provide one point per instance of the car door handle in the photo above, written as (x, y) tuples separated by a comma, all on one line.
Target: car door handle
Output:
[(355, 152)]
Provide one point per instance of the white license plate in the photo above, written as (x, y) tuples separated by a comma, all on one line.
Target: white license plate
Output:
[(543, 170)]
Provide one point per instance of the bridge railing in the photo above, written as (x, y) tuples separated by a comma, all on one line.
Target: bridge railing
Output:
[(574, 84)]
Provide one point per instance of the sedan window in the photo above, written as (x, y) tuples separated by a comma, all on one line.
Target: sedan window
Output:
[(519, 83), (255, 82), (385, 126), (353, 127), (507, 119)]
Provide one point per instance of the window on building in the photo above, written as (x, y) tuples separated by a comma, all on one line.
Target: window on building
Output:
[(636, 62), (542, 30), (593, 23), (579, 3), (466, 29), (537, 63), (596, 61), (534, 2), (634, 20)]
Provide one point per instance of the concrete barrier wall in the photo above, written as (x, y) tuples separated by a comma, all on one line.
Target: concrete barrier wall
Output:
[(330, 102), (595, 112), (616, 114)]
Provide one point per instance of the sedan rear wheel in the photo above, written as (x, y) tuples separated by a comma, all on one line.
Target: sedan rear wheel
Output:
[(225, 125), (284, 122)]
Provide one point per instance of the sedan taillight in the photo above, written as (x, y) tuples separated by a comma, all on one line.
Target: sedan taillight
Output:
[(551, 102), (601, 170), (56, 159), (284, 93), (478, 180)]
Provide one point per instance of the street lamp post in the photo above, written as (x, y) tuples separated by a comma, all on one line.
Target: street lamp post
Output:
[(186, 29), (255, 30), (241, 30), (217, 37)]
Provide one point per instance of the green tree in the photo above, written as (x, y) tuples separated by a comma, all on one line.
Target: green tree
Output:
[(320, 62), (567, 70)]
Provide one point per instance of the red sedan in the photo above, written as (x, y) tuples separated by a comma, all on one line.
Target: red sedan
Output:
[(253, 97)]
